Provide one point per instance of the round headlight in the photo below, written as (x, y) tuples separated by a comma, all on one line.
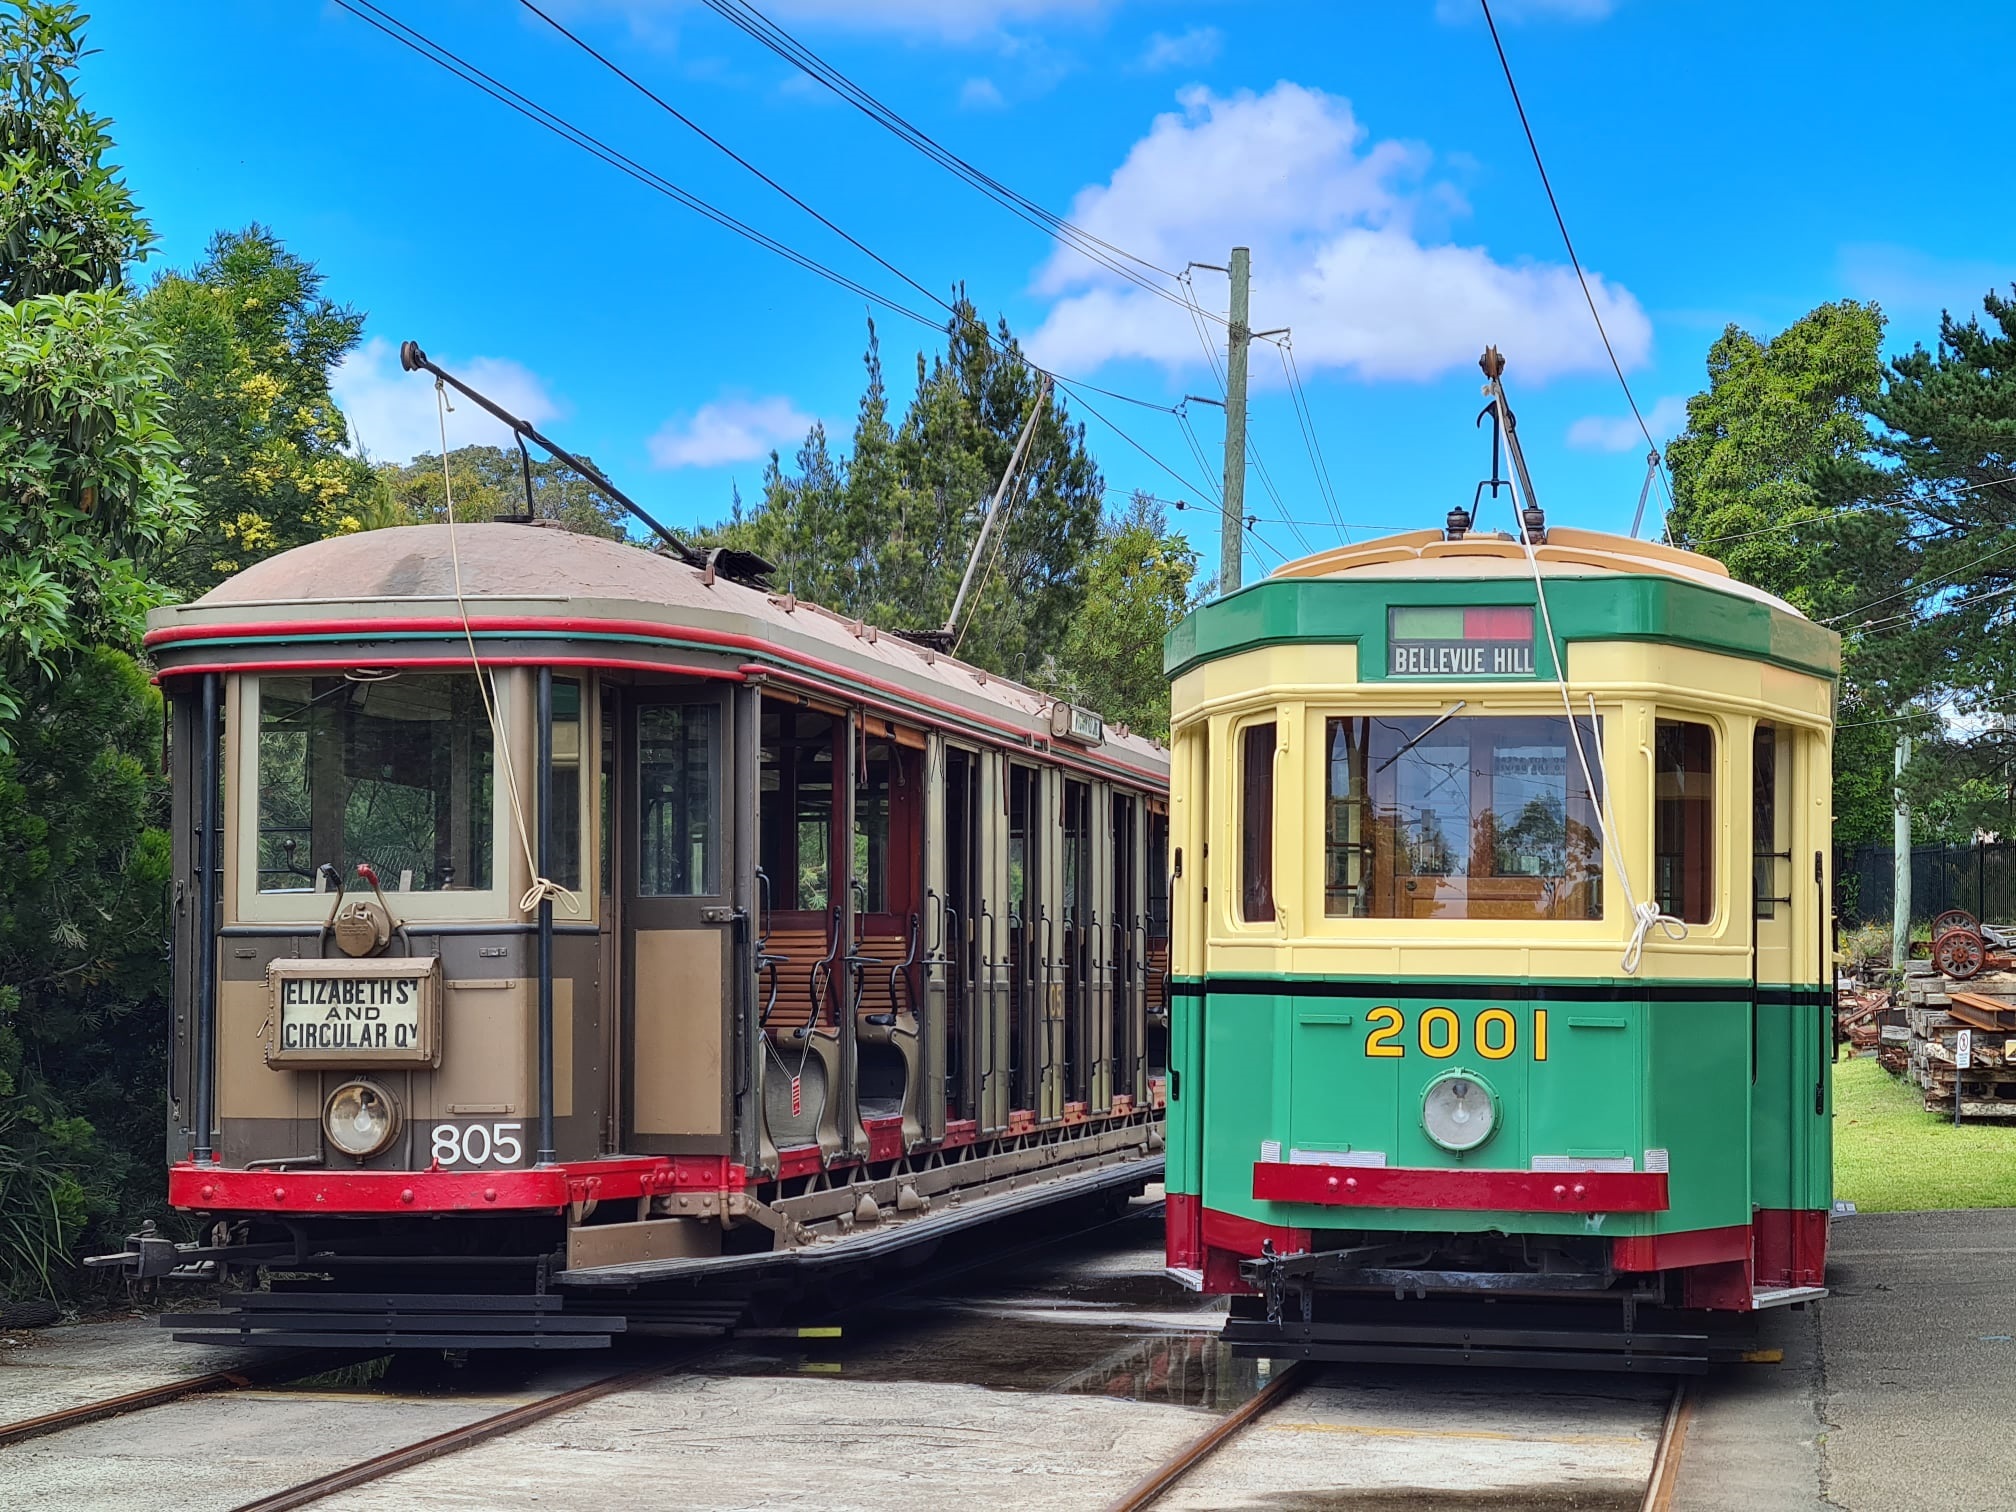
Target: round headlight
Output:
[(1459, 1111), (360, 1118)]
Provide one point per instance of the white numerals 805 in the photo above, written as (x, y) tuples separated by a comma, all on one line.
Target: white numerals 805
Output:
[(477, 1144)]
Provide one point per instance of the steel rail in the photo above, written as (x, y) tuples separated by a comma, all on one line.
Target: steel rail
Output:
[(1665, 1477), (257, 1374), (527, 1413), (1150, 1489), (483, 1429), (1144, 1493)]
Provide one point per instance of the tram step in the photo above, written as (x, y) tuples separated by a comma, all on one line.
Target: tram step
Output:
[(1503, 1348), (397, 1320)]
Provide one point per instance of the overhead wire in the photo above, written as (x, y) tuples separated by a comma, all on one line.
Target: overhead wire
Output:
[(448, 60), (1575, 260), (761, 28), (1306, 418)]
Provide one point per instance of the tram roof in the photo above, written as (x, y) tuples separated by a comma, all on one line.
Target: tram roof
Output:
[(536, 580), (1599, 587)]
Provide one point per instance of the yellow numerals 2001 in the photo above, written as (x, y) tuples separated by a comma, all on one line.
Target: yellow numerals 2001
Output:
[(1494, 1033)]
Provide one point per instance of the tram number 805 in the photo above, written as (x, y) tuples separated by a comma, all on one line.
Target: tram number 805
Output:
[(1439, 1033), (478, 1144)]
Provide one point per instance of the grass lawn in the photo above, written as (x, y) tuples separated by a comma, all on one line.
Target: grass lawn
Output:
[(1892, 1156)]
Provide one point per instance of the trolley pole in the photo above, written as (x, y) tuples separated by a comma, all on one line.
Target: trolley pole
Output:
[(1238, 337)]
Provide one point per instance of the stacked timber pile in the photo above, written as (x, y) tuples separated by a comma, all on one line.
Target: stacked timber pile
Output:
[(1937, 1008)]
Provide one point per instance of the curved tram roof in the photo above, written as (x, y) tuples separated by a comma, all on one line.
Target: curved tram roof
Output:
[(388, 598), (1599, 587)]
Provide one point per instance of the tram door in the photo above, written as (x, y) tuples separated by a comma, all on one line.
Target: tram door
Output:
[(675, 820), (1780, 1057)]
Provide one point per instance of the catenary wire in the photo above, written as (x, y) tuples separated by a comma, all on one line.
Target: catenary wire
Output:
[(415, 41), (758, 26), (1575, 261)]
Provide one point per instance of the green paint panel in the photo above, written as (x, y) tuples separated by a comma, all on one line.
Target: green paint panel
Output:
[(1637, 608), (1423, 623), (1623, 1076)]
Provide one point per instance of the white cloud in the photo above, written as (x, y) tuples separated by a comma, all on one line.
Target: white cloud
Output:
[(1191, 49), (1453, 12), (728, 430), (392, 414), (1333, 223), (1616, 433), (980, 94)]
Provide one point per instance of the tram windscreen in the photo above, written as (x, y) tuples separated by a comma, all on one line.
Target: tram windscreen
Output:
[(1487, 817), (394, 770)]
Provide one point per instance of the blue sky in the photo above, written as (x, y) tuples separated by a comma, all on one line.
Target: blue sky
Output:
[(1716, 162)]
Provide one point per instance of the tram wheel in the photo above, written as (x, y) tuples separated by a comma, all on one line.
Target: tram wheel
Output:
[(1958, 953), (1955, 918)]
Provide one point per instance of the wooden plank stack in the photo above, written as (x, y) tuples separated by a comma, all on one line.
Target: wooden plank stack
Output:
[(1936, 1009)]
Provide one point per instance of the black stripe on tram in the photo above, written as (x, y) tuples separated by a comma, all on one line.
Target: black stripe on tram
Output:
[(1513, 992)]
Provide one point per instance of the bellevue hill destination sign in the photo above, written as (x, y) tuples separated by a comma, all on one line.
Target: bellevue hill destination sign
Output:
[(1479, 641)]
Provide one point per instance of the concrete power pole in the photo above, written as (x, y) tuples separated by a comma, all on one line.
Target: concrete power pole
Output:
[(1900, 863), (1238, 336)]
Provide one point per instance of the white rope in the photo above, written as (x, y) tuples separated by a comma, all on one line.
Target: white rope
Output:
[(1647, 916), (542, 887)]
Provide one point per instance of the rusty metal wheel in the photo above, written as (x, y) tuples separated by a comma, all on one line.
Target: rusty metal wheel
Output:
[(1959, 953), (1955, 918)]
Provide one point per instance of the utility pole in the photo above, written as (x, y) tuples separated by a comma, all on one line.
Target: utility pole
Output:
[(1900, 863), (1238, 336)]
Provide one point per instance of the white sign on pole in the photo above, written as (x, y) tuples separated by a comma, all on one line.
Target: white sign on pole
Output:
[(1963, 1049)]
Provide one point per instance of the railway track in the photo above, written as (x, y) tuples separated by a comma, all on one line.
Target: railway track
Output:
[(1164, 1478), (265, 1373)]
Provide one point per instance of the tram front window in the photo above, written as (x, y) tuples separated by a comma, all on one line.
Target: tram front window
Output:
[(392, 770), (1455, 818)]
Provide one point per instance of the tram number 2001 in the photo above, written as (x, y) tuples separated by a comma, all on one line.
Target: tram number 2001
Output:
[(478, 1144), (1439, 1033)]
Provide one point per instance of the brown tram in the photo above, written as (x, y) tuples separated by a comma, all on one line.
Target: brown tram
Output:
[(848, 944)]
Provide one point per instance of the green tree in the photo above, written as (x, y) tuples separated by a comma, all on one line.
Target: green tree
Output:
[(885, 534), (1139, 582), (1766, 479), (489, 482), (1945, 461), (89, 488), (83, 993), (252, 341)]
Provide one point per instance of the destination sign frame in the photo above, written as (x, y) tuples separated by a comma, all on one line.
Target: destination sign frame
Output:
[(1461, 641), (337, 1013)]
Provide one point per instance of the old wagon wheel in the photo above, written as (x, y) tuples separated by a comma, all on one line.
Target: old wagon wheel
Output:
[(1955, 918), (1959, 953)]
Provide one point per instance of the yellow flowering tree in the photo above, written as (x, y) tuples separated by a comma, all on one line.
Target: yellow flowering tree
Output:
[(252, 341)]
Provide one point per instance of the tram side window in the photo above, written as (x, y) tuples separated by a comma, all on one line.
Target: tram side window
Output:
[(795, 805), (1256, 823), (1461, 818), (677, 755), (1683, 817), (566, 863), (394, 770)]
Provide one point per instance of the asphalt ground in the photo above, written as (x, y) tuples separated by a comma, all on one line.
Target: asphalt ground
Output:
[(1896, 1393)]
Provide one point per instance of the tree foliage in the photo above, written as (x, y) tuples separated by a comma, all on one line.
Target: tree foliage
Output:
[(252, 342), (884, 534), (83, 990), (1138, 584), (488, 482), (89, 487)]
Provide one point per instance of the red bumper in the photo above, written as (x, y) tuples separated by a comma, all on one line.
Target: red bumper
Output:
[(1462, 1191), (218, 1189)]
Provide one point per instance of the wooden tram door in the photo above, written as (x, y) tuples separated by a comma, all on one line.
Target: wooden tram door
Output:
[(996, 945), (678, 865), (954, 1055), (1126, 938), (1791, 1032)]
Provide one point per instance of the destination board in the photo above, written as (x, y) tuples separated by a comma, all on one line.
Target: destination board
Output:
[(1467, 641), (340, 1012)]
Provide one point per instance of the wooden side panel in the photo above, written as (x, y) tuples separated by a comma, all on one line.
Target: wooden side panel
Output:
[(676, 1038)]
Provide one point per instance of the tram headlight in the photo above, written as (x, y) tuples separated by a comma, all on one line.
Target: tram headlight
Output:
[(360, 1118), (1459, 1111)]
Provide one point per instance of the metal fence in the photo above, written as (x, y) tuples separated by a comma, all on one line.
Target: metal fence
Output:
[(1978, 878)]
